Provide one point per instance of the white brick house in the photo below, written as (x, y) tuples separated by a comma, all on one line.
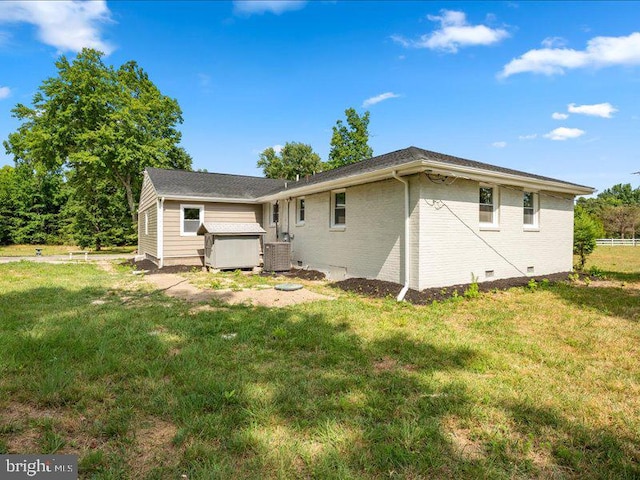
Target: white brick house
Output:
[(413, 217)]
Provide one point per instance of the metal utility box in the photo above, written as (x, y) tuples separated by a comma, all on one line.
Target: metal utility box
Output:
[(277, 256), (231, 245)]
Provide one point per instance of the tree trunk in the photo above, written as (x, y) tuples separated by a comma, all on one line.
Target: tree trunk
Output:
[(126, 183)]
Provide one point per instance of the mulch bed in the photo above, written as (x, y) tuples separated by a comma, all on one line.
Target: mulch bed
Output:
[(382, 289), (298, 273), (151, 268)]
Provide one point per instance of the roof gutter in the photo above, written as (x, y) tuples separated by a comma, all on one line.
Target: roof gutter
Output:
[(182, 198), (407, 228)]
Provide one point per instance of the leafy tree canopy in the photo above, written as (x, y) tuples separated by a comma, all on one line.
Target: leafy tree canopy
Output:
[(294, 159), (100, 122), (350, 143), (617, 209)]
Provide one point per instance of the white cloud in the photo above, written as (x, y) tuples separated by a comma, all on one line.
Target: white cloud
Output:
[(564, 133), (559, 116), (603, 110), (531, 136), (66, 25), (554, 42), (455, 32), (499, 144), (259, 7), (379, 98), (4, 92), (277, 148), (600, 52)]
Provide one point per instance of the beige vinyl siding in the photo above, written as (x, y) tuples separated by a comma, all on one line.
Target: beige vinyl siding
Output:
[(370, 245), (176, 245), (148, 243), (452, 252), (147, 194)]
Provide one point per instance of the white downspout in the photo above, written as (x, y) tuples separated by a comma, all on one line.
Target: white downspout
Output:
[(160, 241), (407, 226)]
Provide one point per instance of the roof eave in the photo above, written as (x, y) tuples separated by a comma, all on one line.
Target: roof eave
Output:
[(442, 168), (524, 181)]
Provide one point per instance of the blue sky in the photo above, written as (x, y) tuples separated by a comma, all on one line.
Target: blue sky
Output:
[(546, 87)]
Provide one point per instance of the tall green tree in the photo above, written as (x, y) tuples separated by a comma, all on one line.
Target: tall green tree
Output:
[(350, 142), (7, 207), (30, 204), (294, 159), (621, 194), (100, 122), (98, 213), (616, 208)]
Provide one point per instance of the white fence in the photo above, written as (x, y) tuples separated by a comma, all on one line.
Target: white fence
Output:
[(631, 242)]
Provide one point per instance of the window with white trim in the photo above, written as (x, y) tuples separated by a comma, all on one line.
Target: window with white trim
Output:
[(300, 211), (191, 217), (274, 214), (488, 206), (338, 208), (146, 223), (530, 209)]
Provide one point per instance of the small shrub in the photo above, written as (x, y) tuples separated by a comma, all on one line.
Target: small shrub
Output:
[(532, 286), (596, 272), (473, 291), (574, 277), (280, 333), (585, 232)]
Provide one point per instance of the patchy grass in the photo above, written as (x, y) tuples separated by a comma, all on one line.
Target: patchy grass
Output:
[(621, 262), (229, 280), (527, 383), (30, 250)]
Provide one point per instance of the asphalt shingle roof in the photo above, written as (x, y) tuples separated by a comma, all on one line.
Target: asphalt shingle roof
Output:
[(218, 185), (407, 155), (227, 228), (179, 182)]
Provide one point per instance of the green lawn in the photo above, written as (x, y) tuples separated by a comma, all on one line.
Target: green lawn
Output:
[(516, 384), (30, 250), (618, 261)]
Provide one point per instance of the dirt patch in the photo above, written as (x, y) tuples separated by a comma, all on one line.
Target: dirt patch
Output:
[(26, 422), (382, 289), (179, 287), (614, 284), (152, 444), (106, 266), (268, 297), (385, 364)]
